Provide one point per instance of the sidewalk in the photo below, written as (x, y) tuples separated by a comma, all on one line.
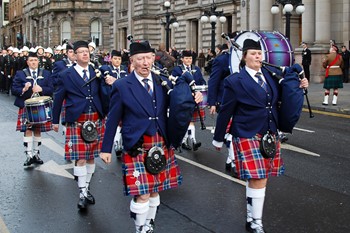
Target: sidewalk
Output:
[(316, 94)]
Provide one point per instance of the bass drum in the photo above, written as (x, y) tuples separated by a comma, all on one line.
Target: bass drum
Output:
[(275, 46)]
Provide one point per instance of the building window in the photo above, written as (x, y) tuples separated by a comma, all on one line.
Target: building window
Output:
[(6, 11), (65, 31), (96, 32)]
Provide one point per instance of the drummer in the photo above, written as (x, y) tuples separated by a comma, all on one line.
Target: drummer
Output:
[(195, 71), (25, 83), (84, 119)]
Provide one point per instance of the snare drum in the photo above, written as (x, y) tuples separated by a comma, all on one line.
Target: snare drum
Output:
[(276, 48), (204, 90), (39, 109)]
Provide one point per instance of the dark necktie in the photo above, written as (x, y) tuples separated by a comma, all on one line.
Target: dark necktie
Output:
[(85, 77), (189, 69), (261, 81), (34, 75), (147, 86)]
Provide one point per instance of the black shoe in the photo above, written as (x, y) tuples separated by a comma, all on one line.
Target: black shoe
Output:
[(37, 159), (89, 198), (234, 172), (283, 138), (28, 162), (185, 146), (248, 227), (82, 204), (196, 145), (119, 154), (228, 167)]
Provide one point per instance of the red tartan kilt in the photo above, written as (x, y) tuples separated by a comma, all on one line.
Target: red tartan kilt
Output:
[(22, 126), (137, 181), (75, 147), (195, 116), (251, 164)]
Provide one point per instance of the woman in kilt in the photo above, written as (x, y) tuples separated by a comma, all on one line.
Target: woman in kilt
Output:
[(199, 112), (333, 63), (148, 162), (251, 98), (26, 82)]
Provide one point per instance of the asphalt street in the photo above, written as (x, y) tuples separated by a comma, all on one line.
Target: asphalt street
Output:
[(312, 196)]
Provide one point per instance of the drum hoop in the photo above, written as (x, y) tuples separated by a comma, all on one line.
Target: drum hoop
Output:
[(38, 100)]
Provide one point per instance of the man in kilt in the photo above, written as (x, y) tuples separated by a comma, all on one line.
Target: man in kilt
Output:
[(251, 99), (26, 82), (84, 118), (141, 103), (199, 112)]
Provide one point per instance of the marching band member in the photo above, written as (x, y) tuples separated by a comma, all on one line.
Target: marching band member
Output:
[(221, 70), (84, 119), (141, 104), (251, 98), (111, 73), (196, 73), (26, 82)]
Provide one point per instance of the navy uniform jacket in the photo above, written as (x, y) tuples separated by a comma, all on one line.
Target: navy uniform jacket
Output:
[(131, 104), (220, 70), (20, 80), (70, 88), (246, 102), (196, 73), (59, 66), (105, 88)]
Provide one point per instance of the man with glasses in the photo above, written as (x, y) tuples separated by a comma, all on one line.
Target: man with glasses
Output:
[(84, 118)]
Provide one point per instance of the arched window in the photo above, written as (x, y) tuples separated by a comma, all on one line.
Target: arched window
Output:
[(65, 31), (96, 32)]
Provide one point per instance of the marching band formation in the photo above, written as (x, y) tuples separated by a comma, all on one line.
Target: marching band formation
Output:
[(109, 104)]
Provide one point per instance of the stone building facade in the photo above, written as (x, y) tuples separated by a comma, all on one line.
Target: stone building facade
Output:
[(49, 22)]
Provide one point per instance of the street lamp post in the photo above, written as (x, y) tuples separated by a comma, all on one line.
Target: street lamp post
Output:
[(212, 16), (288, 6), (168, 22)]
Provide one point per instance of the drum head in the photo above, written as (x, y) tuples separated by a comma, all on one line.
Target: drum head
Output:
[(37, 100), (275, 46)]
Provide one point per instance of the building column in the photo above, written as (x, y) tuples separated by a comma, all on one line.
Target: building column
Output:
[(254, 15), (188, 34), (346, 23), (200, 35), (234, 20), (266, 18), (308, 22), (323, 22)]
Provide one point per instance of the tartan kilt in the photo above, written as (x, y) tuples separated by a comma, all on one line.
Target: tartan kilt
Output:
[(22, 124), (137, 181), (251, 164), (333, 81), (195, 116), (75, 147)]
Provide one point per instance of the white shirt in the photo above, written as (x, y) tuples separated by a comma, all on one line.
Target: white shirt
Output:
[(149, 77), (80, 69), (252, 74)]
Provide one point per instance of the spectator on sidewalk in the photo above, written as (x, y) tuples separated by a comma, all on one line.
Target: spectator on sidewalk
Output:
[(333, 63), (306, 60)]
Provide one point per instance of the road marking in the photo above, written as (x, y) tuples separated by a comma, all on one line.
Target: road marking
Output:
[(51, 166), (52, 145), (211, 170), (328, 113), (3, 228), (298, 149), (304, 130)]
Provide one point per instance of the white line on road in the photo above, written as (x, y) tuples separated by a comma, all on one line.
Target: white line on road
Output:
[(298, 149), (3, 228), (304, 130), (211, 170), (52, 145)]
